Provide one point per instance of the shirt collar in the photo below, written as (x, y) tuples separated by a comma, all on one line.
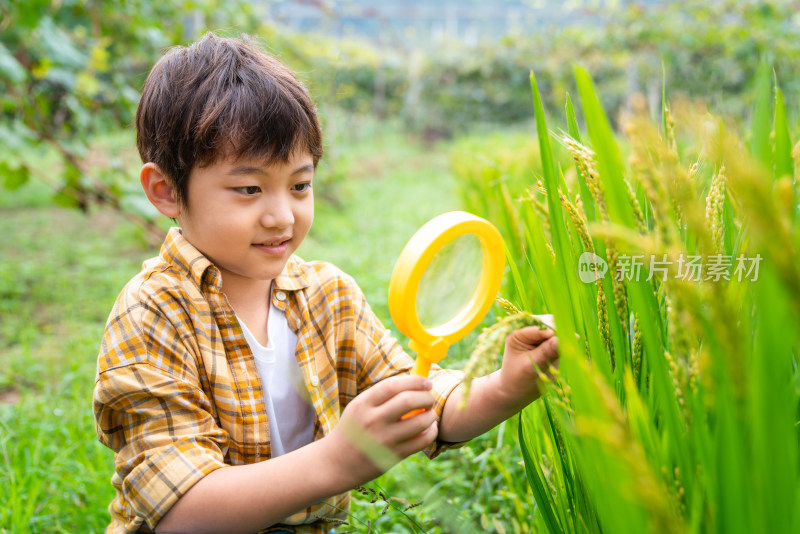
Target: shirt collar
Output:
[(293, 276), (177, 251)]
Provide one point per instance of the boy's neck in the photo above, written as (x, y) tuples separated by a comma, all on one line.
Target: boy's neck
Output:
[(250, 302), (247, 295)]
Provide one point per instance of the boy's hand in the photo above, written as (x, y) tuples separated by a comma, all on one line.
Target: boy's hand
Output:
[(371, 436), (497, 396), (527, 351)]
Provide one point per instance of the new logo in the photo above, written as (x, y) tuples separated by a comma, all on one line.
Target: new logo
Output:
[(591, 267)]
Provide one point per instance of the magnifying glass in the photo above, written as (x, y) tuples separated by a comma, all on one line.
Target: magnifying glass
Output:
[(444, 282)]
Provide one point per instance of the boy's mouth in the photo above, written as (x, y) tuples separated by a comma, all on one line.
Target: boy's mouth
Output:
[(277, 246), (274, 242)]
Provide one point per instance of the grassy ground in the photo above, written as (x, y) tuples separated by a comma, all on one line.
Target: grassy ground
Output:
[(59, 275), (60, 271)]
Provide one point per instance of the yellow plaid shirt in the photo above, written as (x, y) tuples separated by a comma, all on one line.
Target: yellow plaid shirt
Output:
[(178, 394)]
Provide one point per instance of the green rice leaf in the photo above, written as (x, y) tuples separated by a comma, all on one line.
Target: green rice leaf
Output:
[(609, 161), (663, 100), (536, 478), (784, 165), (558, 228), (574, 132), (772, 404), (760, 127), (562, 293)]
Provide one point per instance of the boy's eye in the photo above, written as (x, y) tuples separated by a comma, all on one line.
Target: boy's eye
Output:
[(302, 188), (248, 190)]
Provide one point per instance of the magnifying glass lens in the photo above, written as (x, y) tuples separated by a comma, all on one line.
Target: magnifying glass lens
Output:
[(449, 281)]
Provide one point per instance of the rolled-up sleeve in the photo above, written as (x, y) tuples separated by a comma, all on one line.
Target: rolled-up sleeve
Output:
[(163, 442), (154, 415), (444, 382)]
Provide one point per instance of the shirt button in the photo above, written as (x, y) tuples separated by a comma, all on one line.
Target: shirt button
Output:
[(314, 380), (280, 295)]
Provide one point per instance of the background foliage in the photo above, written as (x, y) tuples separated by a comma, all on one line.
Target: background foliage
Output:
[(70, 73)]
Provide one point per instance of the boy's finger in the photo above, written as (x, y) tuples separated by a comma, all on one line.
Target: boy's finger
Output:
[(530, 335), (389, 387), (549, 350), (405, 402), (405, 429), (419, 441)]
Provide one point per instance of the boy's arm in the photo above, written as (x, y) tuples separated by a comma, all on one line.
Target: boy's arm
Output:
[(247, 498), (496, 397)]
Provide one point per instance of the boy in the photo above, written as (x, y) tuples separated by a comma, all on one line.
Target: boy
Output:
[(241, 388)]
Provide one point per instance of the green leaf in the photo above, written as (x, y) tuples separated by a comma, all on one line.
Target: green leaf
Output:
[(609, 161), (16, 137), (784, 165), (13, 177), (663, 100), (536, 479), (565, 265), (61, 76), (65, 201), (760, 127), (772, 404), (574, 132), (10, 67), (58, 45), (71, 175)]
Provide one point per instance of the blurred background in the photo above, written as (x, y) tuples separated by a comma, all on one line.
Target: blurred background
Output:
[(408, 92), (71, 71)]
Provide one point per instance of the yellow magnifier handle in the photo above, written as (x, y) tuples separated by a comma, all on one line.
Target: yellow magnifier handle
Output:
[(426, 355), (422, 366)]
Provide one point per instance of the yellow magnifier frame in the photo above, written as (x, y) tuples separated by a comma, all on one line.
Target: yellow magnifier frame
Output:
[(431, 344)]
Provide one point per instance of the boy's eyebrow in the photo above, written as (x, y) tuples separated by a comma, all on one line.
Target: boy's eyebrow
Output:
[(251, 169)]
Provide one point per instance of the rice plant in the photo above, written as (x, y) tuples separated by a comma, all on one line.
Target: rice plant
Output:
[(673, 274)]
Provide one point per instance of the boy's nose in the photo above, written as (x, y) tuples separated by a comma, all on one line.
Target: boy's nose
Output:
[(277, 214)]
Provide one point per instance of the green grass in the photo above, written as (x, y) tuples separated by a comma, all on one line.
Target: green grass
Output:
[(59, 274), (61, 270)]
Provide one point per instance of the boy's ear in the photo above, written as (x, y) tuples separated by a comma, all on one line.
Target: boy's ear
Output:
[(159, 191)]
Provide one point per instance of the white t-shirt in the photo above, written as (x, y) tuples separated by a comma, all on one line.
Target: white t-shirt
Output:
[(291, 416)]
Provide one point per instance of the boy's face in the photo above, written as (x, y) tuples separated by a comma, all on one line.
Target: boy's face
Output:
[(247, 216)]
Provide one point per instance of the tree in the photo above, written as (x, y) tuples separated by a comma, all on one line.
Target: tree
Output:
[(70, 73)]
